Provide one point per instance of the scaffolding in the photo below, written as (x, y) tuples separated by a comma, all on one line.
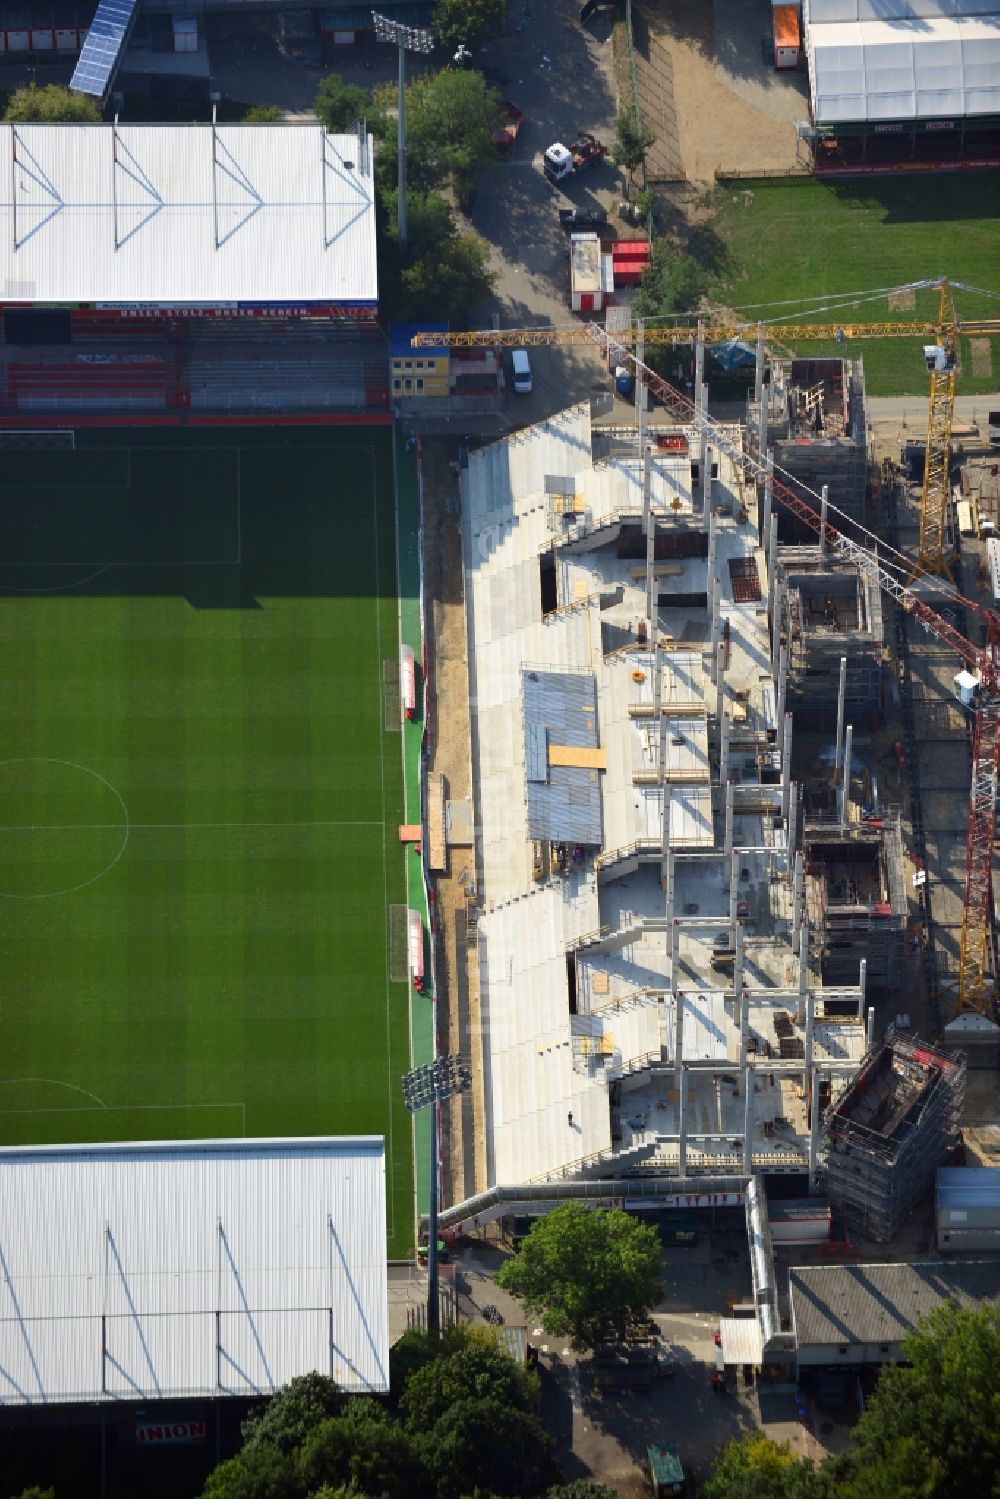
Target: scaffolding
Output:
[(830, 611), (856, 898), (889, 1130), (814, 422)]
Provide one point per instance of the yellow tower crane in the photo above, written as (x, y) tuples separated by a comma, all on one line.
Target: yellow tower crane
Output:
[(933, 554)]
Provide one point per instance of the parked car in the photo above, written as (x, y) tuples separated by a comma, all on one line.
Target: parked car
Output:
[(574, 220)]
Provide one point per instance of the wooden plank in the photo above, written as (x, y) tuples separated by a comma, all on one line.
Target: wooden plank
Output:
[(584, 757)]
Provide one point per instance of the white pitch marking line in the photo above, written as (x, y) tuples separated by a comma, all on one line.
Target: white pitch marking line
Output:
[(97, 827)]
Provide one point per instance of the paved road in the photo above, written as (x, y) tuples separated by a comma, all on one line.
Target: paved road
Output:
[(561, 75), (911, 411)]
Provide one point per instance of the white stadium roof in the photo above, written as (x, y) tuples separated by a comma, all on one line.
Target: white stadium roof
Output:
[(187, 215), (817, 11), (219, 1267), (938, 68)]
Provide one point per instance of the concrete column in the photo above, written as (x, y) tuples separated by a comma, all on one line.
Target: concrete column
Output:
[(724, 749), (845, 790), (668, 869), (710, 588), (803, 966), (870, 1028), (824, 496), (777, 606), (699, 378), (738, 965), (768, 496), (771, 542), (743, 1000), (733, 902), (841, 699), (706, 470), (683, 1141), (730, 795), (647, 485), (797, 889), (814, 1126), (720, 680), (678, 1027), (675, 948), (786, 763), (640, 389), (862, 980), (716, 629), (793, 818), (782, 689), (810, 1029), (748, 1080)]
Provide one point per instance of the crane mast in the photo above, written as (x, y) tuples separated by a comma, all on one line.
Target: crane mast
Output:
[(982, 661), (933, 555)]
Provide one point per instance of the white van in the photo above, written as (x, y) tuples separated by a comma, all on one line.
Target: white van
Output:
[(520, 370)]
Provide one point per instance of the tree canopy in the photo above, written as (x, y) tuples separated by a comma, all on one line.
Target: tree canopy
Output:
[(263, 114), (339, 104), (442, 272), (468, 1425), (51, 104), (931, 1429), (450, 118), (288, 1417), (632, 142), (468, 22), (754, 1465), (588, 1275), (482, 1370)]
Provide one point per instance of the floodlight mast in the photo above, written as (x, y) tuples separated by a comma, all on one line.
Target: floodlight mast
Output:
[(406, 39), (426, 1087)]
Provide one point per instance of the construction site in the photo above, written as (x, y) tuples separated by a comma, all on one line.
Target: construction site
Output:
[(702, 882)]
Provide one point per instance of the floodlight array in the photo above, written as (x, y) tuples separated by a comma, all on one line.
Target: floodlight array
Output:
[(411, 38), (436, 1081)]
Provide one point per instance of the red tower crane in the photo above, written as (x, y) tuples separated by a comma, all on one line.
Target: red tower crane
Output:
[(982, 661)]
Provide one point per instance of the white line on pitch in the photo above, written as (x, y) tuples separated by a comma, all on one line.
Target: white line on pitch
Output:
[(98, 827)]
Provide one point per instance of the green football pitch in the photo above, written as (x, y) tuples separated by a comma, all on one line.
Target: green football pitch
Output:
[(200, 785)]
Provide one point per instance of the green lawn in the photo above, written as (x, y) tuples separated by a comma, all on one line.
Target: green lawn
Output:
[(198, 794), (790, 245)]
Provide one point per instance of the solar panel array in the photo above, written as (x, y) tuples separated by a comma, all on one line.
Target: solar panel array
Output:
[(103, 48)]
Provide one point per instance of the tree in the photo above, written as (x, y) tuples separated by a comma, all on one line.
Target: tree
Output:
[(631, 142), (589, 1275), (483, 1445), (931, 1429), (450, 120), (468, 22), (339, 104), (49, 105), (364, 1449), (441, 273), (263, 114), (261, 1473), (481, 1371), (754, 1465), (289, 1416)]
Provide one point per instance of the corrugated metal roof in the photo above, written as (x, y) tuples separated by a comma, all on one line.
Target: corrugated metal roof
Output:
[(846, 1304), (564, 801), (186, 214), (968, 1187), (742, 1341), (176, 1269)]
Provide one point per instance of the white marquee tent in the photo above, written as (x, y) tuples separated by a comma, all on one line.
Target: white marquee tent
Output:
[(940, 68)]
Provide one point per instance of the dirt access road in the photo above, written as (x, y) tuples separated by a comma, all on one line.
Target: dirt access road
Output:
[(708, 89)]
